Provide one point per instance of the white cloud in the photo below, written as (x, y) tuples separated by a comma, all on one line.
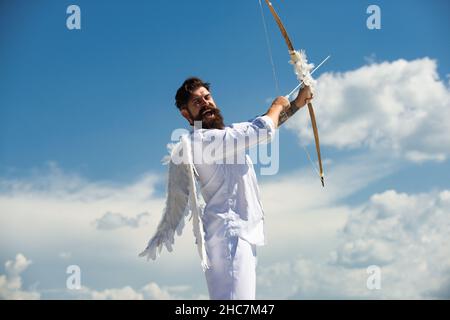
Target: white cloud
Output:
[(125, 293), (111, 220), (50, 215), (11, 288), (150, 291), (14, 268), (53, 182), (53, 220), (405, 235), (153, 291), (419, 157), (400, 108), (11, 283), (55, 205)]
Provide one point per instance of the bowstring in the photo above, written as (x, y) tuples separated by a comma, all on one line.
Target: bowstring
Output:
[(269, 49), (275, 78)]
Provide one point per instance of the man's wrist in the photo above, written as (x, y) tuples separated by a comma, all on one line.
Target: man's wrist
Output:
[(296, 104)]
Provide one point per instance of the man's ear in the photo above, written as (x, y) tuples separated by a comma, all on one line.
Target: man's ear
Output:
[(185, 113)]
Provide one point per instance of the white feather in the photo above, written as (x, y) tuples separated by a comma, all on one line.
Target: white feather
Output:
[(302, 68)]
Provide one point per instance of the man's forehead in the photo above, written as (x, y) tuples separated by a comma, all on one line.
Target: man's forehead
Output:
[(200, 92)]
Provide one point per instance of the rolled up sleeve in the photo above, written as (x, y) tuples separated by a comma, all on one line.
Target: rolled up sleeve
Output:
[(264, 122)]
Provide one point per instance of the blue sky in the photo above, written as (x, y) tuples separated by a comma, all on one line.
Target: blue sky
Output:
[(93, 109), (78, 97)]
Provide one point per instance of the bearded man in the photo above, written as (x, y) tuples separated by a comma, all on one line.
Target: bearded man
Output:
[(233, 216)]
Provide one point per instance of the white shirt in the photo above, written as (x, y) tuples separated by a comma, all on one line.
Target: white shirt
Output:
[(233, 204)]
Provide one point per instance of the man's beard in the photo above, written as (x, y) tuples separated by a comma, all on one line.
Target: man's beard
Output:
[(210, 117)]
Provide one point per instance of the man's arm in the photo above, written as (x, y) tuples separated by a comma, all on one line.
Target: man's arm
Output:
[(281, 109)]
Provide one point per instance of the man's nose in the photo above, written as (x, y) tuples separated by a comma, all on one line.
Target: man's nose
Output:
[(204, 102)]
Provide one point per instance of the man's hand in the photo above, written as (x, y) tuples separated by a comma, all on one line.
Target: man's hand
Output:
[(281, 103), (304, 97), (281, 109)]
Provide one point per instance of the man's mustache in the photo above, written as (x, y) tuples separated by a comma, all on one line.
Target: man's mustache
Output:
[(215, 122), (204, 109)]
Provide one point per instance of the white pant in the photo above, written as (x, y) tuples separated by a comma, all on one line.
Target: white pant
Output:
[(232, 272)]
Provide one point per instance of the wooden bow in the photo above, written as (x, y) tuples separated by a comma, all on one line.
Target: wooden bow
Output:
[(310, 106)]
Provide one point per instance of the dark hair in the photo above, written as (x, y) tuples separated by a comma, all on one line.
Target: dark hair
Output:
[(184, 92)]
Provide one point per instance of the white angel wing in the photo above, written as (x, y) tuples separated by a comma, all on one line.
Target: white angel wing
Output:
[(176, 209), (181, 200)]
